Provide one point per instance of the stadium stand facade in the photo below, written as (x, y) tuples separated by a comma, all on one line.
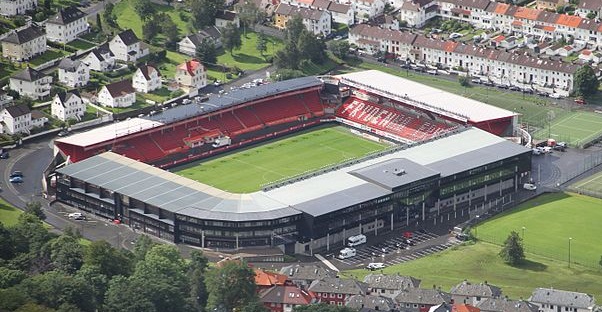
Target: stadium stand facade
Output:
[(447, 165)]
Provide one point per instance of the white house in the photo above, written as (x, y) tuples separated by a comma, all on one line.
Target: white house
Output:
[(100, 59), (416, 12), (16, 7), (66, 25), (367, 9), (589, 6), (16, 119), (341, 13), (222, 18), (189, 44), (24, 44), (316, 21), (73, 73), (38, 119), (191, 75), (146, 79), (127, 47), (32, 83), (68, 105), (118, 94), (553, 300)]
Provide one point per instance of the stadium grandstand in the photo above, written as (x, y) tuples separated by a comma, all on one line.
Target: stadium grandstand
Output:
[(445, 163)]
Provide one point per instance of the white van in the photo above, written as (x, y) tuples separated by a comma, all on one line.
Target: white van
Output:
[(356, 240), (530, 187), (347, 253)]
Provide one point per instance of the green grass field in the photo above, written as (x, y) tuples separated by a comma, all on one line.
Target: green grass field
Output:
[(549, 221), (480, 262), (576, 128), (246, 170), (8, 214), (49, 55), (592, 184), (128, 18)]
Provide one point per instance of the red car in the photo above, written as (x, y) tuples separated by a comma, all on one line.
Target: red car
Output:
[(580, 101)]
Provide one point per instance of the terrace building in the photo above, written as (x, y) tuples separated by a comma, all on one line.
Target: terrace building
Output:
[(466, 292)]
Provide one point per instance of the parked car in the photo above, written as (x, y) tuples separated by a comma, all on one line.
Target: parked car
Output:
[(74, 215), (4, 155), (16, 180), (555, 96), (375, 266), (514, 88), (530, 187), (580, 101), (455, 36), (63, 133), (16, 174)]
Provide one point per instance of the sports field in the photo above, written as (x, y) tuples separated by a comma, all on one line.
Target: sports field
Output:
[(244, 171), (591, 184), (549, 221), (575, 128)]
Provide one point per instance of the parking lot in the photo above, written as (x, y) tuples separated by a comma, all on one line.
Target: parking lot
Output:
[(398, 249)]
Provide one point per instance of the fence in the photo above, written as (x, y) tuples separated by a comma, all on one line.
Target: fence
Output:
[(589, 162)]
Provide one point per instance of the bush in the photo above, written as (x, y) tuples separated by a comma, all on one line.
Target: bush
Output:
[(464, 81)]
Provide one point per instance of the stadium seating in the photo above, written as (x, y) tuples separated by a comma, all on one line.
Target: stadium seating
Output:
[(402, 124), (143, 148)]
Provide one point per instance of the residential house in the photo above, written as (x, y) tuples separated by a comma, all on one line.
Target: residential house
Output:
[(373, 39), (385, 21), (341, 13), (316, 21), (66, 25), (146, 79), (100, 59), (467, 292), (24, 44), (191, 75), (389, 285), (267, 6), (553, 300), (335, 291), (420, 299), (303, 275), (127, 47), (38, 119), (283, 298), (73, 73), (549, 4), (367, 9), (225, 17), (16, 119), (265, 279), (506, 305), (16, 7), (189, 44), (586, 7), (365, 303), (417, 12), (118, 94), (590, 56), (32, 83), (68, 105)]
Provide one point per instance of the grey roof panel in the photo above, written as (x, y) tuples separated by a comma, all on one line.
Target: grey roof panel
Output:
[(394, 172), (342, 199)]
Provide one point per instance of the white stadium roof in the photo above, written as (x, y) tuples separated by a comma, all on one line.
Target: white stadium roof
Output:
[(432, 98), (110, 132)]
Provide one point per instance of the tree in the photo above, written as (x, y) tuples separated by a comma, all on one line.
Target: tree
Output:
[(10, 277), (262, 43), (99, 22), (54, 288), (29, 235), (294, 28), (25, 100), (150, 30), (204, 11), (231, 37), (340, 48), (48, 5), (7, 250), (66, 253), (512, 252), (122, 296), (108, 15), (249, 14), (144, 9), (231, 286), (600, 261), (142, 246), (206, 51), (110, 261), (311, 47), (171, 32), (592, 15), (35, 208), (464, 81), (196, 274), (99, 283), (585, 82)]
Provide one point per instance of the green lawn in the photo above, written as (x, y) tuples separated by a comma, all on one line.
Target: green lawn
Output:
[(246, 170), (127, 17), (576, 128), (81, 45), (140, 103), (534, 109), (49, 55), (549, 221), (592, 184), (248, 58), (8, 214), (158, 96), (480, 262)]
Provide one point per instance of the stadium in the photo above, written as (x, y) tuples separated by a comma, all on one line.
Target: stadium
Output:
[(445, 153)]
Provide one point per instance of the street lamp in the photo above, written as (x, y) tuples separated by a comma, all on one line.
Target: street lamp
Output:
[(476, 229), (524, 228), (570, 239)]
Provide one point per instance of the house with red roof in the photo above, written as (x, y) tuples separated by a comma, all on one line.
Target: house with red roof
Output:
[(191, 75), (283, 298), (266, 279)]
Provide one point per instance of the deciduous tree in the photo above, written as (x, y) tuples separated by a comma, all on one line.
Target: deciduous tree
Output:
[(206, 51), (340, 48), (231, 37), (35, 208), (231, 286), (586, 82)]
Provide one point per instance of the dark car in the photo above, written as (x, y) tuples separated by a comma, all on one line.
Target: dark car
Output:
[(16, 180), (4, 155), (63, 133), (16, 174)]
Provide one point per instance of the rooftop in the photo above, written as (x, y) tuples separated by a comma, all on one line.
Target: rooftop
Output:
[(67, 16)]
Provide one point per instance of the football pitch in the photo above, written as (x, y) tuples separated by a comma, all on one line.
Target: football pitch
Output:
[(575, 128), (591, 184), (552, 223), (246, 170)]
